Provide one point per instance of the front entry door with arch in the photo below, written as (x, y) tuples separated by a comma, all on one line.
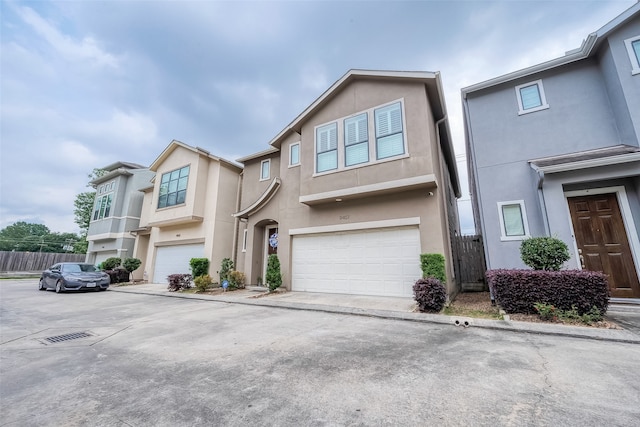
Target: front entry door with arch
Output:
[(271, 242), (602, 242)]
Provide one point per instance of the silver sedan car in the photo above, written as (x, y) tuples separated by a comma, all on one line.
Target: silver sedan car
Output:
[(73, 276)]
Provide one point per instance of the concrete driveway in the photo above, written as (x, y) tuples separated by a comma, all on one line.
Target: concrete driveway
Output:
[(155, 361)]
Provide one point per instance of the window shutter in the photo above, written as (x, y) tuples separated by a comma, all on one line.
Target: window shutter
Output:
[(356, 130), (388, 120), (530, 97)]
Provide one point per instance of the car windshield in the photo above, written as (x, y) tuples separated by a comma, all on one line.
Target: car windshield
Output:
[(78, 268)]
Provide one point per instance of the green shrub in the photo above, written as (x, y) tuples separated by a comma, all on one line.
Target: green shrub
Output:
[(551, 313), (225, 268), (111, 263), (274, 276), (199, 266), (430, 295), (236, 279), (544, 253), (433, 266), (202, 282)]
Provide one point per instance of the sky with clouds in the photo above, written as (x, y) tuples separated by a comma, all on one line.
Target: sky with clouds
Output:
[(87, 83)]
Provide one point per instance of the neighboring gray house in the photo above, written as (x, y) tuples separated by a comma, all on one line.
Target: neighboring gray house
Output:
[(553, 150), (116, 211)]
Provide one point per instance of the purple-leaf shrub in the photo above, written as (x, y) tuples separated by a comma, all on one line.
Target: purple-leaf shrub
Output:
[(179, 281), (430, 295), (518, 290)]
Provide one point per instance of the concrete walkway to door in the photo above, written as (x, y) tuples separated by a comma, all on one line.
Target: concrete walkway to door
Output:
[(627, 315)]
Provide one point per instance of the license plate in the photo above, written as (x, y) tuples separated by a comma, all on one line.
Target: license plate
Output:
[(91, 285)]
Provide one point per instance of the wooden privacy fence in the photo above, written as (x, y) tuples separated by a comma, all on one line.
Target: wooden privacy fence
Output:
[(34, 261), (470, 261)]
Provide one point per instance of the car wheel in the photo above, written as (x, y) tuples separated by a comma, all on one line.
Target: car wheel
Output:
[(59, 286), (41, 286)]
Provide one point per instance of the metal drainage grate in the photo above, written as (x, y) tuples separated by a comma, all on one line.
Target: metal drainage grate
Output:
[(67, 337)]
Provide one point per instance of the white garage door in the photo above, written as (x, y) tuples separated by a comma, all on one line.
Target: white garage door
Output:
[(370, 262), (174, 260)]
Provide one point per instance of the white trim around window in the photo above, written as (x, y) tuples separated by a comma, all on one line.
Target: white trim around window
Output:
[(366, 137), (265, 169), (294, 154), (633, 49), (531, 97), (513, 220)]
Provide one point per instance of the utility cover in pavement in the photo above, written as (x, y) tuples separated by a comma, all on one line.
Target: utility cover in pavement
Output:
[(67, 337)]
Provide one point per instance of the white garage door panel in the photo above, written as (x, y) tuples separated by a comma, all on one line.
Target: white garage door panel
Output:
[(174, 260), (370, 262)]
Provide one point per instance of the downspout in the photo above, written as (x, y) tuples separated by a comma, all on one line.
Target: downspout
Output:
[(543, 205), (236, 220)]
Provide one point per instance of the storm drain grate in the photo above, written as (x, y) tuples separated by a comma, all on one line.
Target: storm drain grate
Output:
[(68, 337)]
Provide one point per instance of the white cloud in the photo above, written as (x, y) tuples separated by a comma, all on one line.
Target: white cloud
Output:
[(258, 101), (78, 51)]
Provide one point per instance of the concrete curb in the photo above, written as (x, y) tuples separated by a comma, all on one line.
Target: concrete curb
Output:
[(612, 335)]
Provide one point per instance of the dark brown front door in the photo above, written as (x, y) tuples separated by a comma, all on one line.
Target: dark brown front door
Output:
[(603, 243)]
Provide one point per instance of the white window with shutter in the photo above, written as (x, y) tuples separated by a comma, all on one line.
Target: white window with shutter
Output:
[(531, 97), (356, 140), (513, 220), (327, 147), (389, 131)]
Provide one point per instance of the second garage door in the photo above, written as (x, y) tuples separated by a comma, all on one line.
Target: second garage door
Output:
[(369, 262), (175, 259)]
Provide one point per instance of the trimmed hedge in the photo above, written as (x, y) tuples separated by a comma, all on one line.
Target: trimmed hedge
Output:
[(199, 266), (430, 295), (432, 265), (518, 290)]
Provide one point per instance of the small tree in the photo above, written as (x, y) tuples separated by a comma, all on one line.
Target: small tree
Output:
[(225, 269), (199, 266), (131, 264), (544, 253), (274, 276)]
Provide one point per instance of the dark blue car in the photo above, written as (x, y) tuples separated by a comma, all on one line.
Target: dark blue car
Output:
[(73, 276)]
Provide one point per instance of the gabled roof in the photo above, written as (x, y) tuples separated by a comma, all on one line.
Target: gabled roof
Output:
[(124, 165), (430, 79), (173, 145), (588, 48)]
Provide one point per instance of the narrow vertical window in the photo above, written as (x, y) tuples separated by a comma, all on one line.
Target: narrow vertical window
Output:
[(633, 49), (244, 240), (389, 135), (294, 154), (327, 147), (265, 167), (356, 140)]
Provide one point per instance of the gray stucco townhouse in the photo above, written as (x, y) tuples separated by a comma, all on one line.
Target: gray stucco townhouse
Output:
[(554, 150)]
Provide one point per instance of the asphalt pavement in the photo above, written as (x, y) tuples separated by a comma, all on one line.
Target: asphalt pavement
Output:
[(626, 316)]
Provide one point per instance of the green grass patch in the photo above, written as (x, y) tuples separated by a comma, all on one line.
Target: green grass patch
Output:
[(493, 313)]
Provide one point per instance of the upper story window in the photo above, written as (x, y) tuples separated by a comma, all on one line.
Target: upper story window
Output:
[(633, 49), (173, 187), (265, 169), (513, 220), (353, 135), (531, 97), (356, 140), (389, 139), (294, 154), (327, 147), (104, 197)]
